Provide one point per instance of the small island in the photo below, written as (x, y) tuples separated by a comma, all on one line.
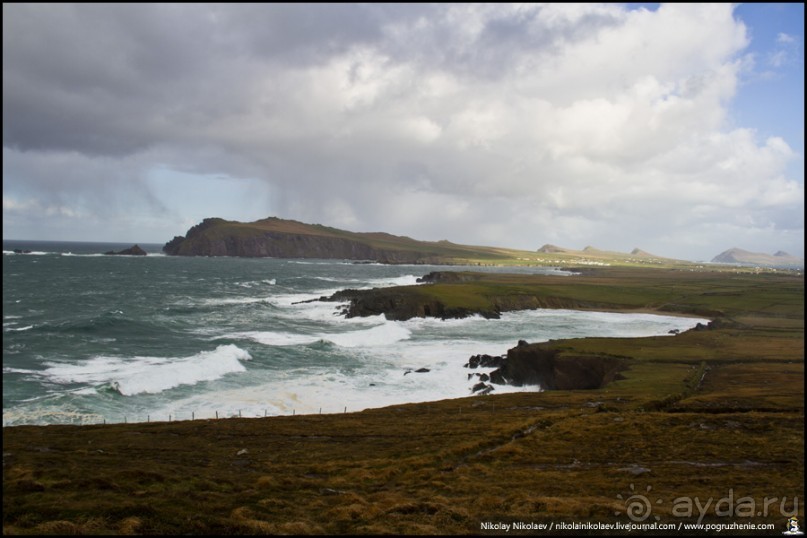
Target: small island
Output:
[(131, 251)]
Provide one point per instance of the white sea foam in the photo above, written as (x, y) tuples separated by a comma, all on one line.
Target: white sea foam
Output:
[(388, 333), (236, 300), (20, 329), (32, 253), (272, 338), (295, 299), (136, 375), (380, 335), (9, 370), (383, 381), (305, 306), (406, 280), (257, 283), (49, 415)]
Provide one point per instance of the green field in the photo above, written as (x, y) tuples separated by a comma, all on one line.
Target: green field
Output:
[(715, 414)]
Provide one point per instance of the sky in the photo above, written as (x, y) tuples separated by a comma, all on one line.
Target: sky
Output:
[(674, 128)]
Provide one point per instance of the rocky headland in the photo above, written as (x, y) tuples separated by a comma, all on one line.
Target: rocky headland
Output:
[(406, 302), (452, 294), (543, 365), (280, 238)]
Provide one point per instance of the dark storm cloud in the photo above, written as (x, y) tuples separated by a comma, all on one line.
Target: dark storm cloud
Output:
[(117, 79), (299, 33), (94, 79)]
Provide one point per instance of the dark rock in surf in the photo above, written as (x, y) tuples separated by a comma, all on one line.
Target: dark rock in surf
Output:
[(484, 361), (418, 371), (482, 388), (132, 251)]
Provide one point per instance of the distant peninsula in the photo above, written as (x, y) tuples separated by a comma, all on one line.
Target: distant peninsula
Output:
[(280, 238)]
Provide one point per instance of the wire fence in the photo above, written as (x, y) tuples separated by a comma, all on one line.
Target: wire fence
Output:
[(97, 419), (215, 415)]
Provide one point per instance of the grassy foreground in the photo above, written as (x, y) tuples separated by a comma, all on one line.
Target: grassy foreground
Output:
[(705, 426)]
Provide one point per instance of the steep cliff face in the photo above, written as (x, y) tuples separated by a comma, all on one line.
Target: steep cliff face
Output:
[(537, 364), (547, 367), (280, 245), (401, 304)]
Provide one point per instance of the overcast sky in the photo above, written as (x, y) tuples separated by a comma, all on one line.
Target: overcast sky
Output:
[(678, 129)]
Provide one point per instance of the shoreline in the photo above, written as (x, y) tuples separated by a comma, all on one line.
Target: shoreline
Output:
[(226, 412)]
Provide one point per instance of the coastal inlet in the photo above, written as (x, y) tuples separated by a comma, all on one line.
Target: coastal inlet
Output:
[(89, 338)]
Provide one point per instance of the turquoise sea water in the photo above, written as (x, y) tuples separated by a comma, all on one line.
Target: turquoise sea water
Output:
[(90, 338)]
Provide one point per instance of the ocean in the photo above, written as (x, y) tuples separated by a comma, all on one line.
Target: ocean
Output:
[(89, 338)]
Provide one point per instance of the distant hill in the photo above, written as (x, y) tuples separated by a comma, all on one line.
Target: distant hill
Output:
[(744, 257), (280, 238), (552, 249), (642, 253), (590, 251)]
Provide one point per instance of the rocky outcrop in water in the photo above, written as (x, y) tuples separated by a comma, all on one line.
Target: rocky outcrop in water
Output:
[(131, 251)]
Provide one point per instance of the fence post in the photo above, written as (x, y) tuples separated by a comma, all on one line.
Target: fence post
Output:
[(345, 409), (239, 413), (169, 418), (217, 414), (193, 415)]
